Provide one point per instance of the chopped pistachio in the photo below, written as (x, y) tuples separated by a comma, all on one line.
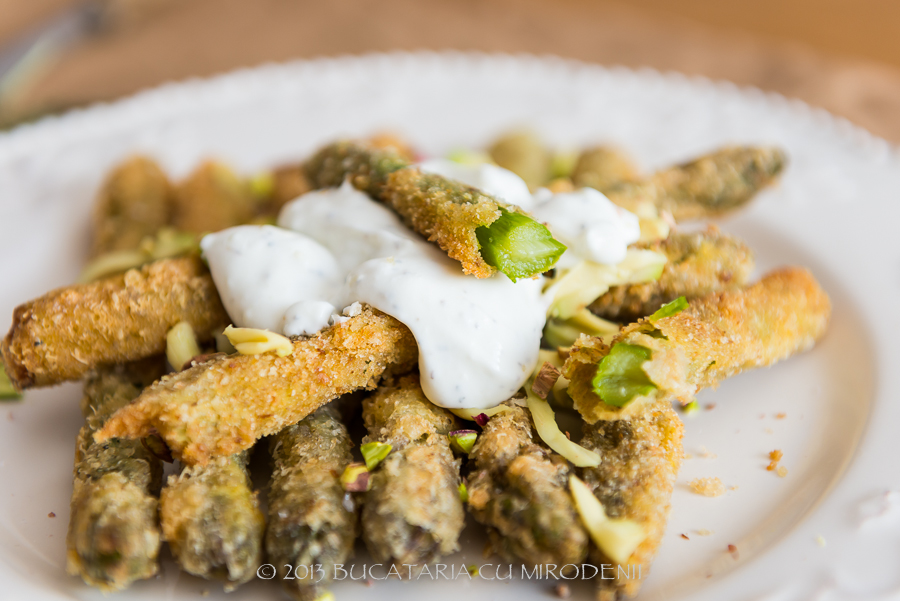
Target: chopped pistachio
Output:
[(262, 184), (374, 453), (669, 309), (464, 156), (355, 478), (111, 263), (691, 408), (463, 440), (545, 380), (616, 538), (562, 163), (181, 345), (7, 390), (482, 419), (463, 492), (250, 341)]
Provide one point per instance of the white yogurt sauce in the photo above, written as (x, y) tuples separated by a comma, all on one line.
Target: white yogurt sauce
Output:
[(478, 338), (588, 223)]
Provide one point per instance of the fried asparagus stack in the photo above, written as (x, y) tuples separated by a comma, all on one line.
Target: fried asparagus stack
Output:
[(698, 263), (311, 520), (211, 519), (518, 490), (412, 512), (623, 390), (66, 333), (195, 413), (113, 537)]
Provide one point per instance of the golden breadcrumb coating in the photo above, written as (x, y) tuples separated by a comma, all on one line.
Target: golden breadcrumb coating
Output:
[(412, 512), (65, 333), (518, 489), (311, 520), (602, 167), (716, 337), (709, 186), (213, 198), (699, 263), (446, 212), (113, 538), (211, 519), (134, 202), (288, 182), (640, 459), (223, 406)]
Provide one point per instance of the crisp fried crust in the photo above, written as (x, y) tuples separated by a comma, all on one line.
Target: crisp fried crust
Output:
[(519, 491), (134, 202), (709, 186), (212, 198), (222, 406), (699, 263), (446, 212), (640, 458), (311, 520), (113, 538), (716, 337), (412, 512), (211, 519), (65, 333), (289, 182), (602, 168)]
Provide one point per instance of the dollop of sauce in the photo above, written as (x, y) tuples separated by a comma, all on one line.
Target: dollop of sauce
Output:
[(588, 223), (478, 338)]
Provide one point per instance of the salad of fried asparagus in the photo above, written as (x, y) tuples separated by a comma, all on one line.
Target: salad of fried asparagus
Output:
[(167, 377)]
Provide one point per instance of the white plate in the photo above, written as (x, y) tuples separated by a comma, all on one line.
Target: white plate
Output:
[(835, 211)]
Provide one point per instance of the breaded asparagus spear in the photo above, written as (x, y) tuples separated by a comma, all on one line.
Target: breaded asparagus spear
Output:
[(602, 168), (482, 233), (195, 413), (699, 263), (673, 355), (312, 521), (134, 202), (641, 456), (518, 490), (113, 537), (213, 198), (211, 519), (522, 153), (412, 512), (65, 333), (708, 186)]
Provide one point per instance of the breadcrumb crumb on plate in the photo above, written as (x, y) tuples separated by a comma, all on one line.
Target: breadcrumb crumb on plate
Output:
[(708, 487)]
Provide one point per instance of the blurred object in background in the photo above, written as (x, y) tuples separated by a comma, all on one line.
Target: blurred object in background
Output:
[(28, 55), (841, 55)]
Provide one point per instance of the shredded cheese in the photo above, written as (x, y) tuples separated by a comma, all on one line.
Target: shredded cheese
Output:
[(250, 341)]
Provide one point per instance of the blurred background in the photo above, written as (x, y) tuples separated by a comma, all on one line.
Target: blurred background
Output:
[(842, 55)]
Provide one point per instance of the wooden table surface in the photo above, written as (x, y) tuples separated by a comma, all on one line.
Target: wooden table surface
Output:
[(840, 55)]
